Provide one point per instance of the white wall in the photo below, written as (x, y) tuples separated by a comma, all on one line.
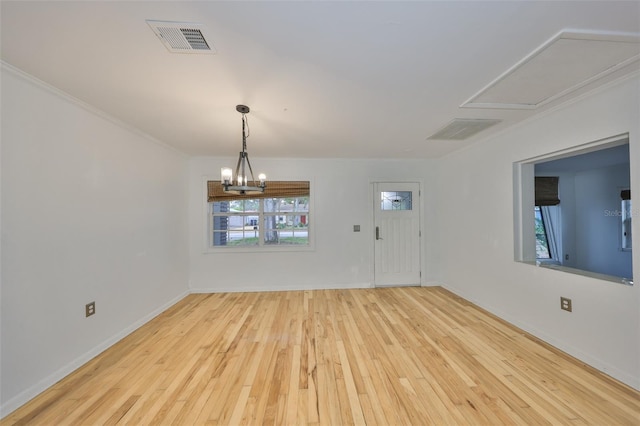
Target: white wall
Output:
[(476, 236), (341, 197), (598, 234), (590, 235), (567, 194), (91, 211)]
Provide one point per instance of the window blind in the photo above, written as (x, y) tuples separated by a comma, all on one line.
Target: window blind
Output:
[(547, 191), (625, 194), (274, 189)]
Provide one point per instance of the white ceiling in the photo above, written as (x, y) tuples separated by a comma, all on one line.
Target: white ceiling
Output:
[(349, 79)]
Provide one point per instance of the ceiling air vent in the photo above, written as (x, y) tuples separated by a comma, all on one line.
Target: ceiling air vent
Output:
[(182, 37), (462, 128)]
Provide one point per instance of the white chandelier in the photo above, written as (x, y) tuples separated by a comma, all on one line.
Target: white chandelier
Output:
[(242, 184)]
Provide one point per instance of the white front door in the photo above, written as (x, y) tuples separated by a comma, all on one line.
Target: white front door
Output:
[(397, 233)]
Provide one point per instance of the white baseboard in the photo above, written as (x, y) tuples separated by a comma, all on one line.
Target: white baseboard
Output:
[(598, 364), (432, 284), (252, 289), (33, 391)]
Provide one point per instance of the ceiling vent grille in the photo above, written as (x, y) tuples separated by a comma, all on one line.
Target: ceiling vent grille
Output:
[(463, 128), (182, 37)]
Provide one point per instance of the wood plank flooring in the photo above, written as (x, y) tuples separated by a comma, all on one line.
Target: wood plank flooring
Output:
[(373, 356)]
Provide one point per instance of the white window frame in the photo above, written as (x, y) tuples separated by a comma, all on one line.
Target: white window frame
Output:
[(626, 207), (546, 237), (260, 247)]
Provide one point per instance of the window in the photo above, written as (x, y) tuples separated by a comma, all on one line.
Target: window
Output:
[(395, 200), (542, 239), (546, 218), (625, 216), (276, 218)]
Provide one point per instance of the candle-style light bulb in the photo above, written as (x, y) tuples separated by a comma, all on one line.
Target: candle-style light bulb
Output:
[(226, 175)]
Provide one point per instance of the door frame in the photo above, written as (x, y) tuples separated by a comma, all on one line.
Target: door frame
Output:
[(372, 207)]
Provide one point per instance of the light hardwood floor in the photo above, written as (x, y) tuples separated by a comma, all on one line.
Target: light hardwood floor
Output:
[(373, 356)]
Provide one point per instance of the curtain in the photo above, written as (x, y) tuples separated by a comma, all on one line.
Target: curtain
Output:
[(274, 189)]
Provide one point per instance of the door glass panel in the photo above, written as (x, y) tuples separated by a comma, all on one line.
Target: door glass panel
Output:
[(395, 200)]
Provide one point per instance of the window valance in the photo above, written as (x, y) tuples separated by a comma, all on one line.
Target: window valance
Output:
[(274, 189)]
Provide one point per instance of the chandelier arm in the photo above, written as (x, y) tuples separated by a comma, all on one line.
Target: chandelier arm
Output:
[(238, 166), (253, 179), (244, 132)]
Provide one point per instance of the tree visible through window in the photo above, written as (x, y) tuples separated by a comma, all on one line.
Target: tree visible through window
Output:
[(542, 240), (276, 221)]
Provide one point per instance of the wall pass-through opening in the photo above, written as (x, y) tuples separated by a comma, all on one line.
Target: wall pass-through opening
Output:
[(573, 210)]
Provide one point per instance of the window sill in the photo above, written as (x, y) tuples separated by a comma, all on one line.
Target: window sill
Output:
[(259, 249), (575, 271)]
